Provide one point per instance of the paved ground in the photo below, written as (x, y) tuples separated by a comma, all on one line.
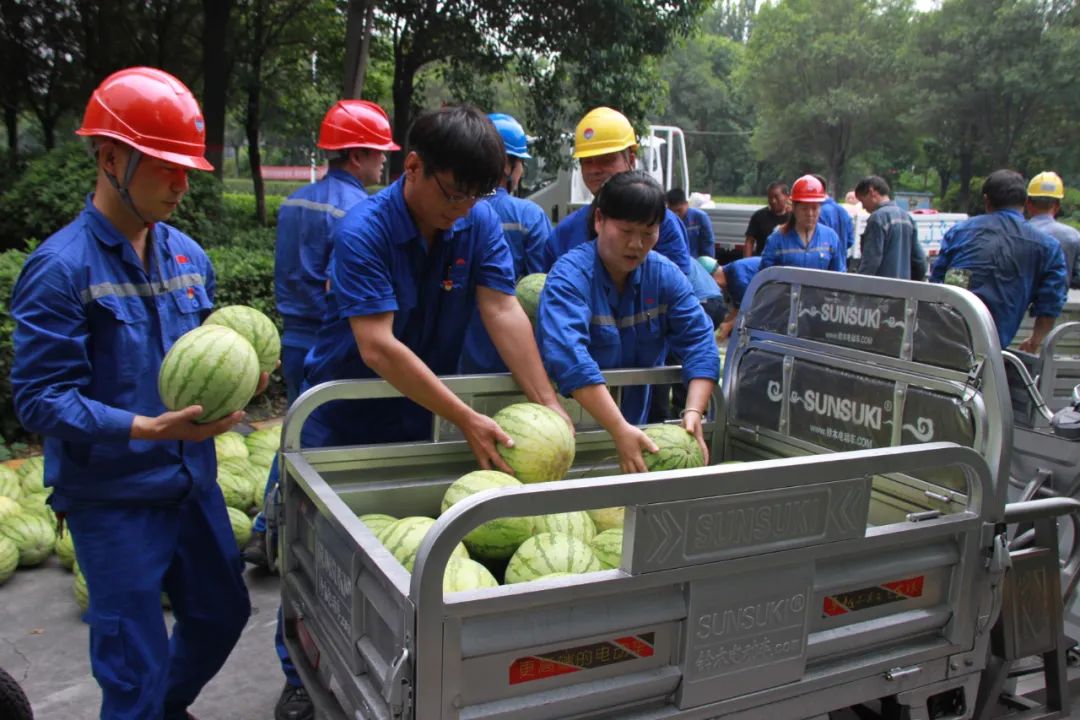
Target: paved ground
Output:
[(43, 644)]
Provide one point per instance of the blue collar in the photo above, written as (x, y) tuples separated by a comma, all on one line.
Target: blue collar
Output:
[(400, 217), (1010, 211), (103, 229), (345, 177)]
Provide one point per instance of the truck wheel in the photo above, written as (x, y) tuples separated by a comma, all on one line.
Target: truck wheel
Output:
[(13, 702)]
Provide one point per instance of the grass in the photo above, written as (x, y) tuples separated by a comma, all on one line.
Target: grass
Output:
[(273, 187), (740, 199)]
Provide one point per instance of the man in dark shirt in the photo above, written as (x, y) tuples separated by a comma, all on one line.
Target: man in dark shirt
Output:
[(767, 218)]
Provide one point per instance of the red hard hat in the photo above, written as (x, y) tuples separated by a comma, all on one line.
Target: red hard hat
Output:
[(151, 111), (808, 189), (356, 123)]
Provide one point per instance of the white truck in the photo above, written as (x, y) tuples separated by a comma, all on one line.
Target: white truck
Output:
[(863, 555)]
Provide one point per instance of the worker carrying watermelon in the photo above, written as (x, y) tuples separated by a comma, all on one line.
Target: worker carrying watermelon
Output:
[(96, 307), (614, 302), (526, 227), (411, 264), (605, 144)]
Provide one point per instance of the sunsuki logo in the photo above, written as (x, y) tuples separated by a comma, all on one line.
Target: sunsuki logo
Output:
[(922, 430), (852, 315), (842, 409), (774, 391)]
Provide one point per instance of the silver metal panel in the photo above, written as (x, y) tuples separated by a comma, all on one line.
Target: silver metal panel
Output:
[(669, 535)]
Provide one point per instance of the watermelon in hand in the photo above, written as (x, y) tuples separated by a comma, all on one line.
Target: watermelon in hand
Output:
[(497, 538), (677, 449), (543, 443), (528, 293), (211, 366), (255, 327)]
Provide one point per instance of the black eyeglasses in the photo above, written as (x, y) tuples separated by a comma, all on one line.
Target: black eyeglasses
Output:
[(459, 198)]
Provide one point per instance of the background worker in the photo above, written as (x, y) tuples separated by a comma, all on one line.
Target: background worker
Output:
[(605, 144), (526, 227), (358, 134), (96, 307), (765, 220), (834, 216), (698, 224), (1006, 262), (803, 241), (613, 303), (890, 243), (733, 278), (1045, 193)]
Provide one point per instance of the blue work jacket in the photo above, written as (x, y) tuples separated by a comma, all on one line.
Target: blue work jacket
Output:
[(837, 218), (92, 326), (302, 254), (703, 283), (738, 274), (1008, 264), (586, 325), (526, 228), (699, 233), (824, 251), (382, 264), (574, 230)]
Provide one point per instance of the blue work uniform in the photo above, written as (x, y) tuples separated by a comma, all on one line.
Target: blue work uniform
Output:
[(92, 325), (1009, 264), (823, 252), (574, 230), (837, 218), (1069, 237), (738, 274), (526, 228), (699, 233), (301, 261), (586, 325)]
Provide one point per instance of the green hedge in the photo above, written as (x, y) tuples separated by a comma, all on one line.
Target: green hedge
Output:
[(284, 188), (239, 209), (10, 264)]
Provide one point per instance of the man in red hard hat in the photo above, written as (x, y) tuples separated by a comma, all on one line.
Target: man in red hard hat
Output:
[(96, 308)]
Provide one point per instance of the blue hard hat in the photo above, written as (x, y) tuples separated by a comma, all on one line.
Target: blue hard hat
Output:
[(513, 135)]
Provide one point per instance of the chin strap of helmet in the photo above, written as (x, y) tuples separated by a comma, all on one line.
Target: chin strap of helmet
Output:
[(122, 187)]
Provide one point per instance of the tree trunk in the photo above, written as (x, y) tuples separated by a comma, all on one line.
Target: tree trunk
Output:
[(48, 130), (11, 121), (251, 126), (404, 77), (967, 163), (944, 176), (359, 26), (215, 79)]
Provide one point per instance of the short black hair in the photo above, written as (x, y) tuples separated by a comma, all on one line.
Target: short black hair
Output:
[(633, 196), (676, 196), (462, 140), (873, 182), (1043, 203), (1005, 189), (778, 184), (821, 179)]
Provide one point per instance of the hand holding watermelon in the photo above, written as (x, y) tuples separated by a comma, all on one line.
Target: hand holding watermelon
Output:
[(181, 425), (483, 436), (629, 442)]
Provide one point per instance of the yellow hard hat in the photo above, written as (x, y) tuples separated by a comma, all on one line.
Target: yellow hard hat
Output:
[(603, 131), (1046, 184)]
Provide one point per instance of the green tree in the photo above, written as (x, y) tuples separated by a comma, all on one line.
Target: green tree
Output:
[(822, 76)]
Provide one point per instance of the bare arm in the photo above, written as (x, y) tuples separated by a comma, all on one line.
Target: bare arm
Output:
[(748, 246), (629, 440), (697, 400), (1043, 325)]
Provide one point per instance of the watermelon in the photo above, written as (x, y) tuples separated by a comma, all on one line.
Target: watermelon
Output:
[(65, 550), (608, 547), (33, 535), (497, 538), (32, 475), (38, 504), (548, 553), (377, 521), (607, 518), (403, 537), (8, 509), (678, 448), (265, 440), (9, 558), (543, 443), (211, 366), (78, 588), (528, 293), (230, 445), (241, 526), (256, 328), (464, 574), (235, 488), (10, 487), (576, 524), (251, 482)]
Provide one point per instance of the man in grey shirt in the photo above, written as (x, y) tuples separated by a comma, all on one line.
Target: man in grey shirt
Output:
[(890, 243), (1045, 193)]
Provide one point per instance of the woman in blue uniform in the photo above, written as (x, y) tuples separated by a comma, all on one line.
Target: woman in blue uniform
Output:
[(803, 241), (614, 303)]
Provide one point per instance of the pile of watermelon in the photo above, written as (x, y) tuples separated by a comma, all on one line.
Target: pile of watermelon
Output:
[(524, 549), (27, 524)]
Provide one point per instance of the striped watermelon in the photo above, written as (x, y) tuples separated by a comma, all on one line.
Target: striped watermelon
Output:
[(463, 574), (10, 487), (78, 588), (576, 524), (543, 443), (9, 558), (32, 475), (38, 504), (403, 537), (548, 553), (608, 518), (33, 535), (262, 461), (258, 329), (65, 549), (211, 366), (265, 440), (230, 445), (497, 538), (678, 448), (251, 485), (528, 293), (8, 509), (377, 521), (241, 525), (608, 547), (236, 489)]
